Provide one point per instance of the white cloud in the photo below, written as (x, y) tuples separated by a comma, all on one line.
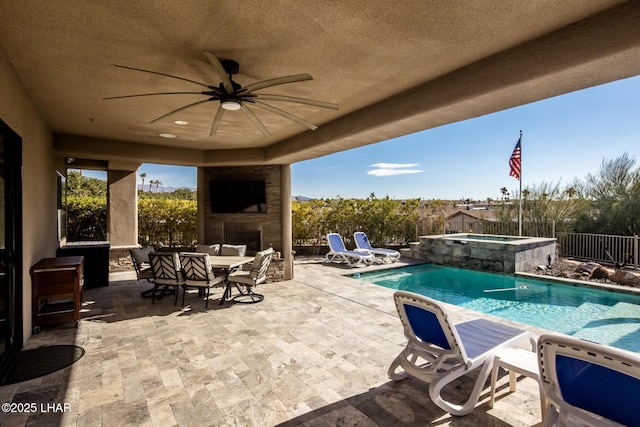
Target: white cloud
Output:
[(395, 165), (390, 169)]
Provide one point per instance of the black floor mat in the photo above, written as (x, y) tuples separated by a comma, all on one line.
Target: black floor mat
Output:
[(41, 361)]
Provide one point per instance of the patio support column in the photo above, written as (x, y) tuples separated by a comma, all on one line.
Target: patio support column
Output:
[(285, 203), (122, 207), (201, 184)]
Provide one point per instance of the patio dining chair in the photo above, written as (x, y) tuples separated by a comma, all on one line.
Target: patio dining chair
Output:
[(233, 250), (439, 351), (249, 279), (198, 274), (142, 267), (167, 273), (141, 263), (588, 383), (208, 249)]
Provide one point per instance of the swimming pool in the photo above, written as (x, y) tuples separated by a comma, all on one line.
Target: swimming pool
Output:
[(606, 317)]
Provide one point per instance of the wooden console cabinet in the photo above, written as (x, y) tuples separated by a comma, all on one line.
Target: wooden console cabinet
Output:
[(57, 285)]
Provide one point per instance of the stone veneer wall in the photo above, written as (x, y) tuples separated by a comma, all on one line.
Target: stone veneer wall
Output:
[(497, 257), (119, 259)]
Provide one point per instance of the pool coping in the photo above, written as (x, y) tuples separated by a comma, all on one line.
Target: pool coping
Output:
[(581, 283)]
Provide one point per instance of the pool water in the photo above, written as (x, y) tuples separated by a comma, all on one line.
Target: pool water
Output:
[(610, 318)]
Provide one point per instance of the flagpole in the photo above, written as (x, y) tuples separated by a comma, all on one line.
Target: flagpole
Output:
[(520, 211)]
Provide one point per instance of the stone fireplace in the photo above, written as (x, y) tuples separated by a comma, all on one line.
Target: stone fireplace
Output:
[(256, 230)]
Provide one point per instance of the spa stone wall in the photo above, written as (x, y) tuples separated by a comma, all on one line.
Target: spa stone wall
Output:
[(496, 257)]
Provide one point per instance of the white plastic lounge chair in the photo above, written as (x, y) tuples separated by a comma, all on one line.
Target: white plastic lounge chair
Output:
[(440, 351), (590, 383), (339, 253), (385, 255)]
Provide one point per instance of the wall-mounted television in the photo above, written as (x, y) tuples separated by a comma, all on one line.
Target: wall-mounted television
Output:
[(238, 196)]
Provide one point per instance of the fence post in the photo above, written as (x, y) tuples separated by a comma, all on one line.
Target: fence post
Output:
[(635, 249)]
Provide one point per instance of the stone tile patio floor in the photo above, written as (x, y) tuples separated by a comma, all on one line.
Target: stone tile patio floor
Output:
[(315, 352)]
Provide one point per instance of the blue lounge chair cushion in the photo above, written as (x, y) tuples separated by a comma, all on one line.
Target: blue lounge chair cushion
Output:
[(426, 326), (601, 390)]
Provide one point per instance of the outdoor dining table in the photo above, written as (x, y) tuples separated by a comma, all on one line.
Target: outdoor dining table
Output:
[(228, 263)]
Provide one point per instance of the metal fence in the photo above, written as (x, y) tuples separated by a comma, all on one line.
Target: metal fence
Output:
[(620, 250)]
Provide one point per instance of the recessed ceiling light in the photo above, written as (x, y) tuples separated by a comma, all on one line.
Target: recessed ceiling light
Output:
[(167, 135), (181, 122)]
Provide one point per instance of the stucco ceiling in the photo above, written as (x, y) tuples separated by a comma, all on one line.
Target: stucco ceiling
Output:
[(393, 67)]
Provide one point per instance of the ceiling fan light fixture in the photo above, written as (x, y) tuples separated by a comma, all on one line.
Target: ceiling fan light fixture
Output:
[(231, 104), (232, 96)]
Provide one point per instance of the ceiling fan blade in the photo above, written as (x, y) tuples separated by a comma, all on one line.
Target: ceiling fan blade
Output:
[(157, 93), (297, 100), (226, 81), (216, 121), (256, 121), (182, 109), (162, 74), (274, 82), (284, 114)]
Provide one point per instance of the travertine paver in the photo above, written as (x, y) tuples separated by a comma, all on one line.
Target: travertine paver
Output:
[(314, 352)]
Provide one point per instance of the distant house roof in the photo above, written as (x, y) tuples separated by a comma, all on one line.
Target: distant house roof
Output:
[(471, 214)]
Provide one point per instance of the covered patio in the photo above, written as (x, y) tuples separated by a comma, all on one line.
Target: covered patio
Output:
[(391, 70), (314, 352)]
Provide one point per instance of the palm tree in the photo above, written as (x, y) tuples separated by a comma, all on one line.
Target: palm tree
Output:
[(143, 176), (158, 183), (504, 192)]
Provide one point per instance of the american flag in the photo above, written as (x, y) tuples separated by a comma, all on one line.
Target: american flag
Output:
[(514, 161)]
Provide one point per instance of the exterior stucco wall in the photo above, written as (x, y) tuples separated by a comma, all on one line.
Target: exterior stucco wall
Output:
[(39, 219)]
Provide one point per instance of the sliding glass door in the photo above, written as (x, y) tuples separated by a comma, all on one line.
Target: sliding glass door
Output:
[(10, 247)]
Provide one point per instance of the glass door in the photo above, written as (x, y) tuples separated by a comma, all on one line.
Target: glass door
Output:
[(10, 248)]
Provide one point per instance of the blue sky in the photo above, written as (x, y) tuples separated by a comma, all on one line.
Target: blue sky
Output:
[(564, 137)]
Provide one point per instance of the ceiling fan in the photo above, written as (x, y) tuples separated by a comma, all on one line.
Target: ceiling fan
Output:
[(232, 96)]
